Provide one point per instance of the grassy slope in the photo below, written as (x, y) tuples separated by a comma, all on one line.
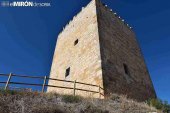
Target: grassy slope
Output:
[(34, 102)]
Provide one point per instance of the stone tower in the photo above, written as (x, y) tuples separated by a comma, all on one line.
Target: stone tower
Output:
[(99, 48)]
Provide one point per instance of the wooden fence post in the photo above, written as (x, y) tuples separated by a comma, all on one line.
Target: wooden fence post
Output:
[(74, 93), (45, 78), (8, 81), (99, 92)]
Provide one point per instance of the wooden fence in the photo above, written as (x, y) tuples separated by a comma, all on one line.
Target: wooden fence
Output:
[(43, 85)]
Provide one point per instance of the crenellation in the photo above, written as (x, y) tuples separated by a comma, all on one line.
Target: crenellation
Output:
[(117, 15), (69, 25)]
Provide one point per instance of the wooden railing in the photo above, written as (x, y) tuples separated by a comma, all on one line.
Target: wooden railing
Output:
[(43, 85)]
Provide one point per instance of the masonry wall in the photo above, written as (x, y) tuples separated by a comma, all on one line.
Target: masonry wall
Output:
[(84, 59), (119, 47)]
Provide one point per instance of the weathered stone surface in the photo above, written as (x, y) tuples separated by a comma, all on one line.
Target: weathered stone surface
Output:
[(84, 59), (105, 45), (118, 47)]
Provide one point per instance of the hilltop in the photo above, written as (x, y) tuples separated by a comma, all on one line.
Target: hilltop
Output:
[(35, 102)]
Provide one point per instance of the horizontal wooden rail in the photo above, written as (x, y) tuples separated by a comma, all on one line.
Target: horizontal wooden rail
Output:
[(24, 76), (87, 84), (60, 80), (59, 87), (2, 82), (101, 88), (27, 84), (21, 83), (102, 94), (4, 74), (86, 90)]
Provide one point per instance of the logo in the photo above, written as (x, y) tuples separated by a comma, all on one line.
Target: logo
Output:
[(24, 4)]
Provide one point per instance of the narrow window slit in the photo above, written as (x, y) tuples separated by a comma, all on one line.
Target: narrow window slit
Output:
[(67, 72), (76, 42), (126, 69)]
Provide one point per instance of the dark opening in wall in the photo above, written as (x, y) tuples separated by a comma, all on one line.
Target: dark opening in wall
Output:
[(67, 72), (76, 42), (126, 69)]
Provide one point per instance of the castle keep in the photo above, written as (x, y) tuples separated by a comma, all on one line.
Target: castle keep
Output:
[(97, 47)]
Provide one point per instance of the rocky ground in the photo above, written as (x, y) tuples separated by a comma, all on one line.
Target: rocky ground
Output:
[(34, 102)]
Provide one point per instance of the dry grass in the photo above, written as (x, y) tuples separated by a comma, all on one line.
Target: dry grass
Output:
[(34, 102)]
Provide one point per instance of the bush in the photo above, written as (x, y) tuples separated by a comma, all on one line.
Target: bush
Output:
[(7, 92), (114, 97), (71, 99), (159, 104)]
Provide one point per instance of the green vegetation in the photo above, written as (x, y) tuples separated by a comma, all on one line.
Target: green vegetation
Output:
[(7, 92), (159, 104), (71, 99)]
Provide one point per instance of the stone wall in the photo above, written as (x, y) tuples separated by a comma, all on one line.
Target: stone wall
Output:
[(84, 58), (119, 47)]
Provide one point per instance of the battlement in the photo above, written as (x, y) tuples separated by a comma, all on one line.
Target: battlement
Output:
[(71, 23)]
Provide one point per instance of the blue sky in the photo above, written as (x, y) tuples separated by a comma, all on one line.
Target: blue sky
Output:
[(28, 35)]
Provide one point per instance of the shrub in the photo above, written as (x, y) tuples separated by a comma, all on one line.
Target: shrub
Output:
[(114, 97), (159, 104), (93, 109), (7, 92), (71, 99)]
